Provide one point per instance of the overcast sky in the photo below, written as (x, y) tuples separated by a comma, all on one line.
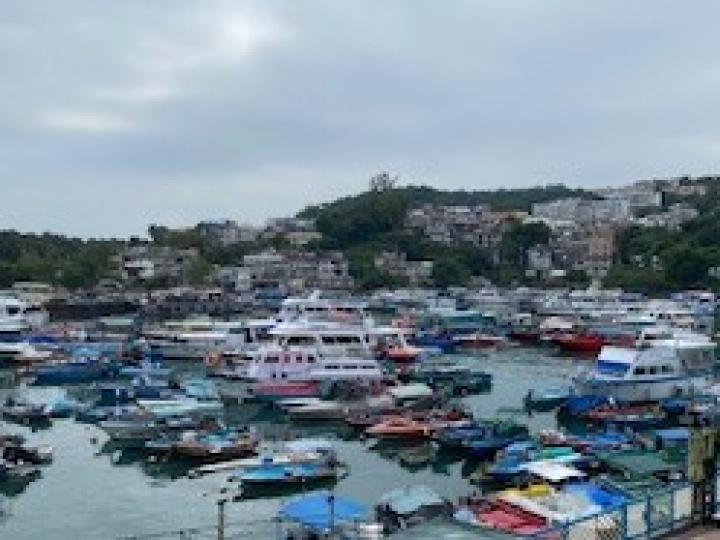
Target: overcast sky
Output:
[(116, 114)]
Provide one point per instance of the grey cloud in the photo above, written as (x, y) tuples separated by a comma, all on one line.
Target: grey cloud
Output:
[(113, 115)]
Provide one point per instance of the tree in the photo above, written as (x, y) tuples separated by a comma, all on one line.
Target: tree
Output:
[(519, 238), (449, 272)]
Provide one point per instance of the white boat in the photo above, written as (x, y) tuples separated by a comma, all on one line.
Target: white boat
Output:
[(664, 363)]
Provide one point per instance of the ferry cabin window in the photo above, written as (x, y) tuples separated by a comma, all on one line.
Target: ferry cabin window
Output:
[(328, 340), (653, 370), (310, 359), (300, 340), (666, 369), (272, 360), (639, 371)]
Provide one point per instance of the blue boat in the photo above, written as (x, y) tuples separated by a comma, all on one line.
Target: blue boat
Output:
[(273, 478), (443, 341), (496, 437), (73, 372), (512, 462), (578, 404)]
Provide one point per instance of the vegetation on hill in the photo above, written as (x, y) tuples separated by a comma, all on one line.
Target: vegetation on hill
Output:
[(56, 259), (657, 259)]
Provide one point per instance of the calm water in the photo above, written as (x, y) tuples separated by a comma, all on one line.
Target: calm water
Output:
[(95, 493)]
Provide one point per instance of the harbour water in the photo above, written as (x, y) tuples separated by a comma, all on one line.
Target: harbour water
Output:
[(96, 492)]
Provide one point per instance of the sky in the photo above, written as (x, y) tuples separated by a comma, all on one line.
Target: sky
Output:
[(118, 114)]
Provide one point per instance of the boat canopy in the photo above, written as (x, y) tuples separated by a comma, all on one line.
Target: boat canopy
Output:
[(322, 510), (673, 434), (410, 499)]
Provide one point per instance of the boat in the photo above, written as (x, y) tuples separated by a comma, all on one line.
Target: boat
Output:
[(417, 456), (479, 341), (463, 379), (22, 412), (579, 343), (278, 478), (663, 363), (213, 446), (495, 437), (401, 428), (408, 506), (546, 399), (72, 372), (633, 416), (281, 390), (512, 461), (320, 410), (487, 513)]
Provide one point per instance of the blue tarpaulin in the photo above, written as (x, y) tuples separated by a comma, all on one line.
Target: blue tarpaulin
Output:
[(322, 510)]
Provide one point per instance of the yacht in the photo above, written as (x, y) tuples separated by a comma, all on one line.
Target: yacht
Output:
[(664, 362)]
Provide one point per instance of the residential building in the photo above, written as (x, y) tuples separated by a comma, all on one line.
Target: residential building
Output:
[(140, 261), (397, 264)]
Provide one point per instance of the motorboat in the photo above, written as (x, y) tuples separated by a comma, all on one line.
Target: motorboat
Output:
[(663, 363)]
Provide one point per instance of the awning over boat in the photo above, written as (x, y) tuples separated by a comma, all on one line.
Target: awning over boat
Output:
[(322, 510), (410, 499)]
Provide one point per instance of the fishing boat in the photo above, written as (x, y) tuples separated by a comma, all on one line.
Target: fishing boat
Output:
[(663, 363), (75, 371), (213, 446)]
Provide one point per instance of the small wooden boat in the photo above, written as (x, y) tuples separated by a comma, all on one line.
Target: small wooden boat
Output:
[(24, 413)]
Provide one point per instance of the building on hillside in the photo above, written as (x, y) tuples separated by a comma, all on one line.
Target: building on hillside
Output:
[(227, 232), (673, 218), (298, 270), (296, 231), (234, 278), (476, 225), (396, 264), (584, 211), (142, 262), (637, 195)]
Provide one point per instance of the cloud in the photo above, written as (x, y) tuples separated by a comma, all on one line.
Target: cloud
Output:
[(89, 122), (179, 110)]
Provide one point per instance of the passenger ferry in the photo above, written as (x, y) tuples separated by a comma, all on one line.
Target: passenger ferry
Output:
[(315, 351), (663, 363)]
